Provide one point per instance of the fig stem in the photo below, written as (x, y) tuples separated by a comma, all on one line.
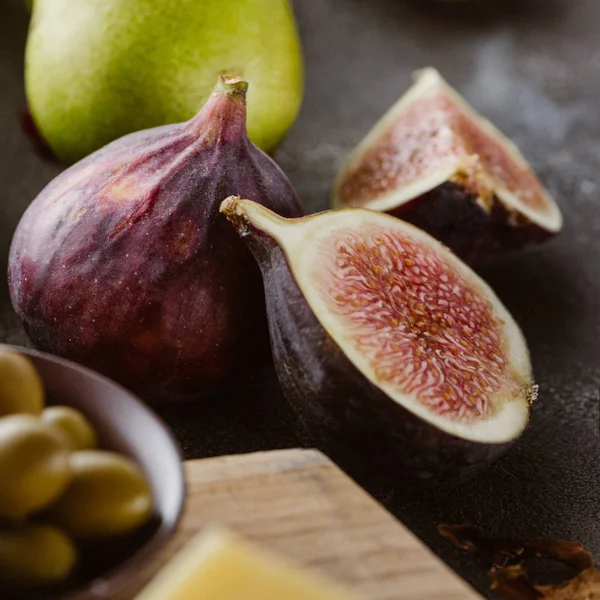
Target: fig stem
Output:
[(223, 117), (234, 87), (244, 213)]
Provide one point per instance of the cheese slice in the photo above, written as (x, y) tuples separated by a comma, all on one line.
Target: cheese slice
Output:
[(218, 565)]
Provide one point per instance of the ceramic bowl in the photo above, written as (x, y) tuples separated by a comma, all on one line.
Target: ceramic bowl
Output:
[(124, 424)]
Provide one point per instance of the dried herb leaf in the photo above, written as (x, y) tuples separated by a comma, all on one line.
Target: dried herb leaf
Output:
[(504, 559)]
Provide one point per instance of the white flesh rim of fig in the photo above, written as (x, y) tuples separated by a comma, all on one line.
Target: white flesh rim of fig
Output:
[(429, 81), (300, 240)]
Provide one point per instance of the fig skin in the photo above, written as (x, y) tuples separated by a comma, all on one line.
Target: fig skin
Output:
[(373, 438), (124, 264), (451, 214)]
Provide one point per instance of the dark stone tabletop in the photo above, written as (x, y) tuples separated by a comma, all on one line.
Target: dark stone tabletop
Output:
[(533, 67)]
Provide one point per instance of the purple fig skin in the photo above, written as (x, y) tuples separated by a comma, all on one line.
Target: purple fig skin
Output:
[(451, 214), (373, 438), (123, 263)]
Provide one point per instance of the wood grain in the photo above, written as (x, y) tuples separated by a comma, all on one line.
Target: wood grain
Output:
[(300, 504)]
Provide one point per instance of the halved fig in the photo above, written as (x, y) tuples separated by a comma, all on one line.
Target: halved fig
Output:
[(393, 352), (433, 161)]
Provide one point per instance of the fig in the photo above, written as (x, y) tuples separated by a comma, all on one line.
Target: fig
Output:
[(390, 348), (124, 264), (433, 161)]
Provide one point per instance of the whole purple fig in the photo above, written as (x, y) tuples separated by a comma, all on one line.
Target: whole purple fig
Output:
[(123, 262)]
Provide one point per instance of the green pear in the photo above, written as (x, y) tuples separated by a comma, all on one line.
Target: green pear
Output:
[(98, 69)]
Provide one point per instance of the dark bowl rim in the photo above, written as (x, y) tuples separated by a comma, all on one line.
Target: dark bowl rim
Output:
[(116, 579)]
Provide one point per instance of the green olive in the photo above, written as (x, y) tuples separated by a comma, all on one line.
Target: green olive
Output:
[(35, 554), (34, 465), (70, 423), (21, 389), (108, 496)]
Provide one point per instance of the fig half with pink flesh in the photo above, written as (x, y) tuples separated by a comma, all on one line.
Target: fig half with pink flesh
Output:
[(433, 161), (391, 349)]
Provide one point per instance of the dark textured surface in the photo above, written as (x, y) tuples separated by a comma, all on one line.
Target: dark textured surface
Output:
[(533, 67)]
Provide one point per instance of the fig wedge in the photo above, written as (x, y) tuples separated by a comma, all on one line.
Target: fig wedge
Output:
[(392, 351), (435, 162)]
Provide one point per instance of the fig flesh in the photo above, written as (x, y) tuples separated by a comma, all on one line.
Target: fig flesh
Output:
[(433, 161), (389, 347), (124, 264)]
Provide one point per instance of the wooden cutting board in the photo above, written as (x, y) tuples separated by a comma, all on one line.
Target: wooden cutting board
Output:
[(298, 503)]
